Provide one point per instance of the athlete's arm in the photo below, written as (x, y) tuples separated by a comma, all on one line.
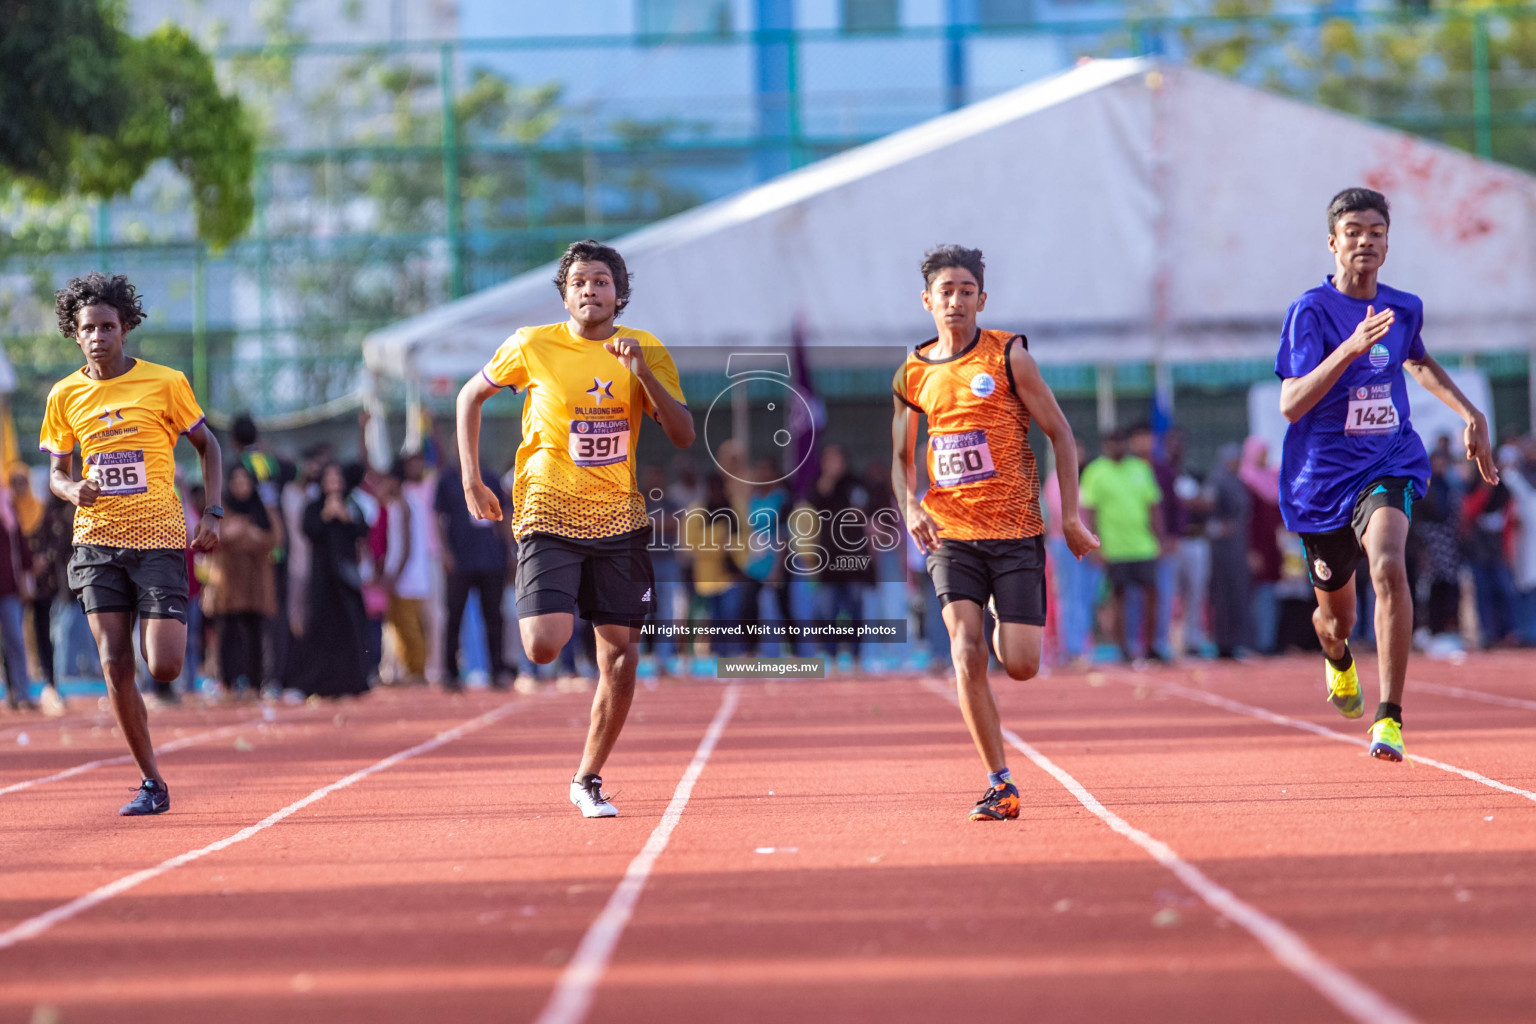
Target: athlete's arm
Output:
[(904, 477), (212, 459), (482, 502), (1436, 381), (1299, 394), (62, 482), (675, 419), (1031, 389)]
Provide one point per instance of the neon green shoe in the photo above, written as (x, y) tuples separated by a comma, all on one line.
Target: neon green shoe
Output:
[(1387, 740), (1344, 690)]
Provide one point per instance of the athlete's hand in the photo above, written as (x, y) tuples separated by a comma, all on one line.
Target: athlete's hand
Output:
[(207, 536), (482, 501), (1480, 448), (1370, 330), (1080, 539), (85, 492), (629, 355), (922, 527)]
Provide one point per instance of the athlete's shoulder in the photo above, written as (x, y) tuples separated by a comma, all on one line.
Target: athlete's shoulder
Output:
[(537, 333), (147, 370), (643, 337), (67, 386), (1315, 297), (1398, 298)]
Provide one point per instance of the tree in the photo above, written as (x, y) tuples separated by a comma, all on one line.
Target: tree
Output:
[(86, 109)]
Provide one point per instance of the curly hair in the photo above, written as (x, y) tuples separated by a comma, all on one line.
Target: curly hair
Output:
[(97, 290), (590, 250), (945, 256)]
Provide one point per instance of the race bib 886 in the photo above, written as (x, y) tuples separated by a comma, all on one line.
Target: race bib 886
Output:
[(119, 473)]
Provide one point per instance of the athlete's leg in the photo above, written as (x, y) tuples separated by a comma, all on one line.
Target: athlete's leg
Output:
[(1018, 648), (618, 650), (1334, 618), (163, 643), (968, 649), (544, 635), (1386, 540), (113, 632)]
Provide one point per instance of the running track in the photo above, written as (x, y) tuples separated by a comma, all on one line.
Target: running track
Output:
[(1198, 844)]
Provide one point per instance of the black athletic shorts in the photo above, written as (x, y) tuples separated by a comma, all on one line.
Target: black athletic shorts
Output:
[(1131, 574), (1009, 572), (149, 581), (1332, 556), (610, 580)]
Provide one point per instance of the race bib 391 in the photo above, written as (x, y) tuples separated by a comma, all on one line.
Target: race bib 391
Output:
[(599, 442)]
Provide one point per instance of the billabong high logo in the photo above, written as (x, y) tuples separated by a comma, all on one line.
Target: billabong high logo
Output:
[(111, 416), (600, 390)]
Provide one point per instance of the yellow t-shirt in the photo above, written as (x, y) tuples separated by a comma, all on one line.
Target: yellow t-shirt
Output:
[(126, 428), (575, 474)]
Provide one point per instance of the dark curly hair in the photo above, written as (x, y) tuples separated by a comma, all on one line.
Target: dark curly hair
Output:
[(945, 256), (590, 250), (97, 290)]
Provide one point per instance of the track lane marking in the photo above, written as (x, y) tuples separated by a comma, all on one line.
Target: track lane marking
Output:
[(1486, 698), (1351, 996), (573, 993), (35, 926), (167, 748), (1276, 718)]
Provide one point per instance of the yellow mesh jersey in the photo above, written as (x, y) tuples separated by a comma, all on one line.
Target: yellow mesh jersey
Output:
[(127, 429), (982, 479), (575, 473)]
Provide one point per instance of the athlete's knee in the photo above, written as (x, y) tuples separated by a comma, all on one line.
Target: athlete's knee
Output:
[(1023, 665), (1333, 626), (543, 645), (1389, 571), (165, 668), (969, 649)]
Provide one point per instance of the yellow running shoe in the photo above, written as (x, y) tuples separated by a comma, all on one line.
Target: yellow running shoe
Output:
[(1344, 689), (1387, 740)]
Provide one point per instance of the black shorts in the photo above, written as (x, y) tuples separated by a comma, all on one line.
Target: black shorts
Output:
[(1011, 573), (609, 580), (1131, 574), (1333, 556), (149, 581)]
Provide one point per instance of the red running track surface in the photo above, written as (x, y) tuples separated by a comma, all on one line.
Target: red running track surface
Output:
[(822, 868)]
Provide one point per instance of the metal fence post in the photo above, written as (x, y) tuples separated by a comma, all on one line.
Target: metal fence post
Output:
[(200, 324), (1482, 103), (451, 173)]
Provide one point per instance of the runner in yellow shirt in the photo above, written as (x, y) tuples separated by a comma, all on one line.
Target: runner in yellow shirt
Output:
[(130, 535), (578, 516)]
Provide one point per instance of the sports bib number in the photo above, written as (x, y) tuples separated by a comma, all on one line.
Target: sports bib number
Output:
[(120, 473), (599, 442), (1371, 411), (961, 458)]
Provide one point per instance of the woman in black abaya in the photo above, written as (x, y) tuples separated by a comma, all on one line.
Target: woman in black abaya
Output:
[(330, 659)]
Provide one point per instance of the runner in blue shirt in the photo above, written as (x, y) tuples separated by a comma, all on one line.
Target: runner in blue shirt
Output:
[(1352, 465)]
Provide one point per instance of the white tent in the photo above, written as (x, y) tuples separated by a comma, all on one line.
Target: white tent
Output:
[(1129, 210)]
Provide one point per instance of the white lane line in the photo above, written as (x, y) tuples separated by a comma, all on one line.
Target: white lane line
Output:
[(1274, 717), (35, 926), (573, 993), (1352, 997), (166, 748), (1486, 698)]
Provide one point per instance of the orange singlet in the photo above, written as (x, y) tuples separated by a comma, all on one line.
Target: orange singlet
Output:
[(984, 485)]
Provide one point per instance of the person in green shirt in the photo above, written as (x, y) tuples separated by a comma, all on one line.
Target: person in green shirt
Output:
[(1119, 494)]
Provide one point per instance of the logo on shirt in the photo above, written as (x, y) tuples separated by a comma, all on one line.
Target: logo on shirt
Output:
[(982, 385), (1379, 355), (600, 390), (111, 416)]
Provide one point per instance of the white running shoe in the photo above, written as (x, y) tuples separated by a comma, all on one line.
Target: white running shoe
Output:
[(587, 794)]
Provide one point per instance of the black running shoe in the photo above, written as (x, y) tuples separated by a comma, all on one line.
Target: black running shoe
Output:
[(152, 798)]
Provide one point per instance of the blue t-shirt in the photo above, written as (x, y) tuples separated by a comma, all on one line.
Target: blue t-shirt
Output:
[(1359, 432)]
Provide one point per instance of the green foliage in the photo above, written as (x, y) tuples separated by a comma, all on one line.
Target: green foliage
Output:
[(1418, 72), (86, 109)]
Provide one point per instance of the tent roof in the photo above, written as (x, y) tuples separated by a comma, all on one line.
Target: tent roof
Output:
[(1130, 210)]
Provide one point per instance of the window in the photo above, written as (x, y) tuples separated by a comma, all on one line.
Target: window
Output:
[(870, 16), (685, 17), (1005, 13)]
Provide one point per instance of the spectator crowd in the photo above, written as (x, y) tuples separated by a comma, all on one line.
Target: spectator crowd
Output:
[(333, 578)]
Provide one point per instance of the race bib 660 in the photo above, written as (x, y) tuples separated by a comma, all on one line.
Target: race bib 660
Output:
[(961, 458), (599, 442)]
